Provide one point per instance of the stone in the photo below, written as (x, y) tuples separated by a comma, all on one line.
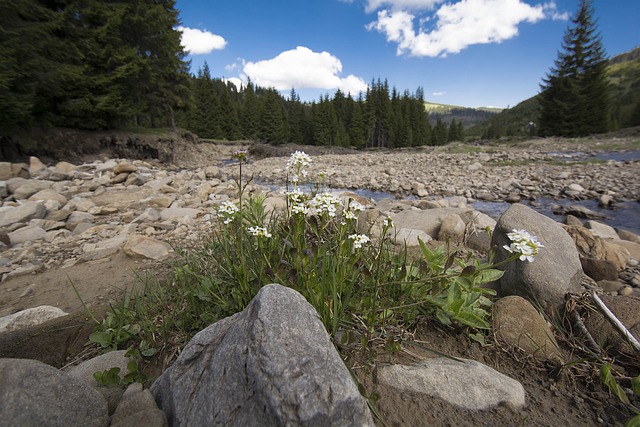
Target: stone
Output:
[(591, 246), (124, 167), (464, 383), (428, 220), (627, 310), (48, 194), (628, 236), (271, 364), (30, 188), (78, 217), (633, 248), (104, 362), (27, 234), (22, 213), (599, 269), (556, 269), (611, 285), (35, 394), (602, 230), (452, 228), (177, 213), (29, 317), (212, 172), (408, 237), (474, 167), (518, 324), (13, 170), (35, 165), (134, 179), (136, 400), (149, 215), (81, 204), (65, 167), (147, 247)]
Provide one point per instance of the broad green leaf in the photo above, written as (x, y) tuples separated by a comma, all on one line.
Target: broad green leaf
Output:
[(443, 318), (478, 337), (608, 379), (470, 319), (635, 385), (105, 339), (486, 276), (633, 422)]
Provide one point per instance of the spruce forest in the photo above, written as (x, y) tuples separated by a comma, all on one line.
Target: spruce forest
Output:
[(118, 64)]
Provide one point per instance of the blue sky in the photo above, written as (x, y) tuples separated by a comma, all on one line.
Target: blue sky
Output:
[(466, 52)]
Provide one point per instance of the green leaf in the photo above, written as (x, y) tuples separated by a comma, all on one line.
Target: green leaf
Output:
[(470, 319), (442, 317), (635, 385), (633, 422), (105, 339), (608, 379), (478, 337), (487, 276)]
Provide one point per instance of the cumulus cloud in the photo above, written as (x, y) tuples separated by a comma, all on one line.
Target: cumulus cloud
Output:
[(303, 68), (455, 26), (372, 5), (199, 42)]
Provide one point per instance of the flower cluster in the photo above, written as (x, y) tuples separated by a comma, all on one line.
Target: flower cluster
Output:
[(259, 231), (388, 222), (296, 165), (359, 240), (227, 211), (240, 155), (325, 203), (523, 244), (353, 208)]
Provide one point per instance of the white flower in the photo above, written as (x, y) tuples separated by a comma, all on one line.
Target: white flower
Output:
[(359, 240), (355, 206), (350, 215), (388, 222), (259, 231), (227, 211), (325, 203), (296, 164), (299, 209), (524, 244)]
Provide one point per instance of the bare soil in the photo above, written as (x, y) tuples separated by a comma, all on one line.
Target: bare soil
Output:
[(556, 396)]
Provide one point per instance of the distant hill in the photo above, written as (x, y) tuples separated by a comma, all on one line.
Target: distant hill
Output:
[(468, 116), (624, 79)]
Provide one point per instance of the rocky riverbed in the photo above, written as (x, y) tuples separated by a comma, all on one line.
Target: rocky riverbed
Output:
[(87, 228)]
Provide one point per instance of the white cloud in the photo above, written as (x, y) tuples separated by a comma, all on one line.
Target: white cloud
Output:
[(235, 80), (438, 93), (302, 68), (551, 10), (457, 26), (199, 42), (372, 5)]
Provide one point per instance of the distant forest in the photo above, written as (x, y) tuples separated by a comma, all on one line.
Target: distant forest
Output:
[(382, 117), (114, 64)]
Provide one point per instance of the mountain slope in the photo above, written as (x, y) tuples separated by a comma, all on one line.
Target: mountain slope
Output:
[(624, 80)]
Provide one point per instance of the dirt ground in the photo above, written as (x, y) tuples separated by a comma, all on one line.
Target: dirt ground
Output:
[(565, 396)]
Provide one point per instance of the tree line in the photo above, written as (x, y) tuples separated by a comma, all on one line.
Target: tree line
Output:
[(90, 64), (381, 117)]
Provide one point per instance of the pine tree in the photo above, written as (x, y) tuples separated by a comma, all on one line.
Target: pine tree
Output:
[(575, 96)]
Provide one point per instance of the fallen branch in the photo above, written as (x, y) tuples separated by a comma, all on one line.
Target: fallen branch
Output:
[(615, 322)]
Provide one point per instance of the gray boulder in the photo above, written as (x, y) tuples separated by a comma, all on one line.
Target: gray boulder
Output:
[(35, 394), (22, 213), (461, 382), (556, 269), (271, 364)]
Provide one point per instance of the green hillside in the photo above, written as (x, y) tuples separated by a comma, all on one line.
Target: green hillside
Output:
[(468, 116), (624, 80)]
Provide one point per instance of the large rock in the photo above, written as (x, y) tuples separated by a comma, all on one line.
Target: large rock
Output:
[(27, 234), (29, 317), (428, 220), (555, 270), (35, 394), (518, 324), (627, 310), (22, 213), (592, 246), (461, 382), (147, 247), (31, 187), (271, 364)]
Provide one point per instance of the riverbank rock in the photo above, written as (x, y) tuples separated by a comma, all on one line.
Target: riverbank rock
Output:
[(518, 324), (461, 382), (35, 394), (556, 269), (271, 364), (29, 317)]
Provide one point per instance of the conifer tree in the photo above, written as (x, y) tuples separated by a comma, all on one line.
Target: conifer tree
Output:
[(575, 96)]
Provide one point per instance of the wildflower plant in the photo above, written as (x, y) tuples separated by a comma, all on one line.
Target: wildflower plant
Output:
[(318, 247)]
